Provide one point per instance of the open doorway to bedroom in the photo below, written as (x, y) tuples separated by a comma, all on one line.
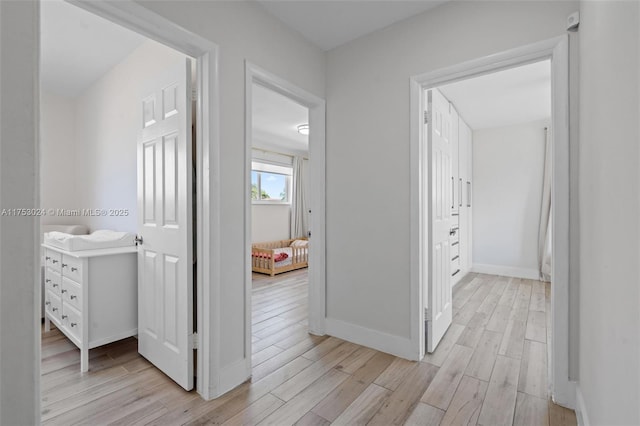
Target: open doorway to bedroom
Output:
[(493, 140), (96, 115), (284, 220), (280, 214), (491, 231)]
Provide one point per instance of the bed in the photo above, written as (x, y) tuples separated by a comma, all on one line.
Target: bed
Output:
[(275, 257)]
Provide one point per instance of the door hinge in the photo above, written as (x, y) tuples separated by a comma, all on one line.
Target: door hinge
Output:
[(194, 341), (194, 94), (426, 117)]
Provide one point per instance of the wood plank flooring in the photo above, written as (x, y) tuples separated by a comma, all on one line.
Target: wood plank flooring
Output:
[(489, 369)]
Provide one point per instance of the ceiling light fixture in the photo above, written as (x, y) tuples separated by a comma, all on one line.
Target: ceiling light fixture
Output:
[(303, 129)]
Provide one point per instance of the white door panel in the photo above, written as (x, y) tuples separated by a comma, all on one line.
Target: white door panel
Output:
[(165, 271), (438, 132)]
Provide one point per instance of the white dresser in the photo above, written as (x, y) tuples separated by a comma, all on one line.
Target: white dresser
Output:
[(91, 295)]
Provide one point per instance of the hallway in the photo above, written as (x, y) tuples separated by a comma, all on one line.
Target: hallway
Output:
[(489, 369)]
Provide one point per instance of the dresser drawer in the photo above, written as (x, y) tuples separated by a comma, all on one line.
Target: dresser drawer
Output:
[(72, 321), (72, 267), (71, 293), (52, 281), (53, 305), (52, 259)]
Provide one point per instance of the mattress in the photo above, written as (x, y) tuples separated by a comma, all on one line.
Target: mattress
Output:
[(102, 239)]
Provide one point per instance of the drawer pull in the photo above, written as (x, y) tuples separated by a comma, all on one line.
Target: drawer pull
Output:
[(54, 309), (455, 243), (453, 196), (47, 303), (72, 296), (54, 261), (73, 269), (47, 258), (455, 273), (47, 280), (65, 316), (455, 257), (55, 285), (64, 265), (63, 291), (73, 324)]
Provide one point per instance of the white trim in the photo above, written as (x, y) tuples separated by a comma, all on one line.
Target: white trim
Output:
[(143, 21), (231, 375), (317, 257), (383, 342), (581, 408), (562, 389), (506, 271), (557, 50)]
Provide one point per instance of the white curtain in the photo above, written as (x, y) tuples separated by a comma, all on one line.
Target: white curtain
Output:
[(299, 203), (544, 233)]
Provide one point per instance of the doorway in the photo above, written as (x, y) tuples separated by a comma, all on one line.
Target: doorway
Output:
[(279, 224), (555, 50), (150, 25), (310, 219)]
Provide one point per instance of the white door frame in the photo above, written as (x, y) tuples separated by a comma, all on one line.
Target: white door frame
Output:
[(317, 270), (557, 50), (149, 24)]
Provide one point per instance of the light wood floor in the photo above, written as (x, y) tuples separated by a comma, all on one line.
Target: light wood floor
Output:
[(489, 369)]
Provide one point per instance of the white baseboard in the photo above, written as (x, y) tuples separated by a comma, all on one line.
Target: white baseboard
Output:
[(231, 376), (506, 271), (581, 408), (378, 340)]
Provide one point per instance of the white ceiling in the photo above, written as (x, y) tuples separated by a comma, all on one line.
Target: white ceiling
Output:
[(329, 23), (78, 47), (506, 98), (275, 122)]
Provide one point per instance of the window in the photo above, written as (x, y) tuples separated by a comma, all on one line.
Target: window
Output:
[(270, 183)]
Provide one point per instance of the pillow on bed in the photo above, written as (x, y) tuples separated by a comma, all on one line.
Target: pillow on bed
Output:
[(299, 243)]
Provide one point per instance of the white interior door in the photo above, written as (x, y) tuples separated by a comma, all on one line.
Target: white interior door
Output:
[(165, 267), (438, 132)]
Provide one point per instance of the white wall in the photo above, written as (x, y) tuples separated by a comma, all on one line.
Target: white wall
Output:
[(58, 157), (108, 117), (508, 166), (270, 222), (244, 32), (19, 309), (609, 210), (368, 147)]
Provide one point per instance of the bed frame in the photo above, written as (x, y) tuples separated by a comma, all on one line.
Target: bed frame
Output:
[(262, 257)]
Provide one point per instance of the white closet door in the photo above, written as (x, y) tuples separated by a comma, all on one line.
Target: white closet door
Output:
[(469, 196), (456, 172), (165, 267), (439, 131), (463, 160)]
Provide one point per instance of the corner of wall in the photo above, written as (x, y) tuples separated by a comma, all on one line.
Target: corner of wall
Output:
[(395, 345), (230, 377), (581, 408)]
